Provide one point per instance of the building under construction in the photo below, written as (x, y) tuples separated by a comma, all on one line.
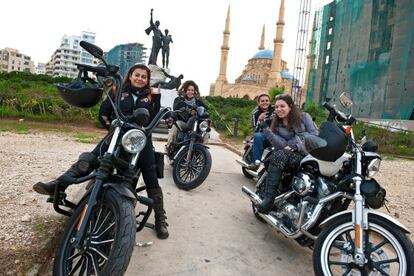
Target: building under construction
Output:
[(365, 47)]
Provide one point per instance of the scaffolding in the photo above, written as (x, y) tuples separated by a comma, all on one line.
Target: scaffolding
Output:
[(300, 53)]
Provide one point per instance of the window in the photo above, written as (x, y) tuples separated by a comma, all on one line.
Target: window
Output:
[(330, 31), (328, 45), (327, 60)]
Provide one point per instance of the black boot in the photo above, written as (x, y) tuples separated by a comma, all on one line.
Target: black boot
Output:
[(272, 182), (160, 217), (85, 165)]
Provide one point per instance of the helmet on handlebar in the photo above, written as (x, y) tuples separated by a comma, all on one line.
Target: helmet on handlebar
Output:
[(84, 92)]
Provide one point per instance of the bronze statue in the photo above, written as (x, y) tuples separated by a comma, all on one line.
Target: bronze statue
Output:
[(166, 40), (156, 39), (173, 83)]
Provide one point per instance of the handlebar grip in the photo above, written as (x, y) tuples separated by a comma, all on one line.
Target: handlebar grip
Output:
[(99, 70)]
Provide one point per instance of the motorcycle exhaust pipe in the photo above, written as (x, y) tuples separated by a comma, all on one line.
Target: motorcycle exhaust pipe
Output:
[(274, 222), (245, 165)]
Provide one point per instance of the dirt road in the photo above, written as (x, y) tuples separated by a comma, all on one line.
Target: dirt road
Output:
[(212, 229)]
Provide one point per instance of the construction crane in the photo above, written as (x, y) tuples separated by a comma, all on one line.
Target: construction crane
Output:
[(300, 53)]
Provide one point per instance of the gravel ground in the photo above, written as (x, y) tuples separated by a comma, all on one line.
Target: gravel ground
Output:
[(28, 158)]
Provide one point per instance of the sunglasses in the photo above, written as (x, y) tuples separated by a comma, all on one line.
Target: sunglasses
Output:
[(282, 97)]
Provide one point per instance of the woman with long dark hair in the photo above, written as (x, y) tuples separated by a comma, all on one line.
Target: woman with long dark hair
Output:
[(136, 94), (284, 134)]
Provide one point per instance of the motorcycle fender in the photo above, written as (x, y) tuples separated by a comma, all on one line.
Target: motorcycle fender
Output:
[(121, 190), (186, 146), (367, 213)]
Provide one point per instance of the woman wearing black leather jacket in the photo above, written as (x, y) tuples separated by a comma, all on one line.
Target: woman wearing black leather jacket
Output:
[(137, 94), (189, 94)]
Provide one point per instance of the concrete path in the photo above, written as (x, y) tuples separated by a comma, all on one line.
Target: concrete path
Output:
[(214, 232)]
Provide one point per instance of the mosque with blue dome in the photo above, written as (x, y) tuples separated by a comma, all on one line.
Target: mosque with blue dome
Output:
[(265, 70)]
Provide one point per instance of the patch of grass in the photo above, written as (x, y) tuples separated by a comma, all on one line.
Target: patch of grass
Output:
[(22, 128), (87, 138)]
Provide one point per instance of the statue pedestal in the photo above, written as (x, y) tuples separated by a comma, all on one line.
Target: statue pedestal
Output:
[(156, 73)]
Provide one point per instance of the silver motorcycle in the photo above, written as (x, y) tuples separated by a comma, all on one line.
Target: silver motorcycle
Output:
[(312, 205)]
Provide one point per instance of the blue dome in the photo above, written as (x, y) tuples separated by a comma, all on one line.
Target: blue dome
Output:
[(248, 78), (264, 54), (286, 75)]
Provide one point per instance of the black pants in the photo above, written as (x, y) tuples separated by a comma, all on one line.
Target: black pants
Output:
[(286, 160), (146, 161)]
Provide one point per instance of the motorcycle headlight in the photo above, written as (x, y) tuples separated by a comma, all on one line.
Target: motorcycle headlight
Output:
[(204, 126), (373, 167), (134, 140)]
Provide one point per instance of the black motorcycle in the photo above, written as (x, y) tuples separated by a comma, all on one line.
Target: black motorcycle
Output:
[(188, 154), (312, 205), (247, 157), (100, 235)]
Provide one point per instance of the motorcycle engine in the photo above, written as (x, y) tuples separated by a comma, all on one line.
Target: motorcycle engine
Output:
[(302, 184)]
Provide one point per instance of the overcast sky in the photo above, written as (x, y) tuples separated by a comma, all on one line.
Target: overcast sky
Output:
[(36, 28)]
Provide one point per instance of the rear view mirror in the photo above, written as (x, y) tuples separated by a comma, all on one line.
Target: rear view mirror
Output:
[(92, 49)]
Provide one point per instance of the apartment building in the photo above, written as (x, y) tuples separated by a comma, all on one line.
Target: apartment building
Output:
[(12, 60), (64, 59)]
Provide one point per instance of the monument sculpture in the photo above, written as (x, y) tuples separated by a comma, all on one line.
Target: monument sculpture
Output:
[(166, 40), (173, 83), (156, 39)]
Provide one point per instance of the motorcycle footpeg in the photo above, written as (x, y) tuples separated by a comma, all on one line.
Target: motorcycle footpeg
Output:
[(61, 198)]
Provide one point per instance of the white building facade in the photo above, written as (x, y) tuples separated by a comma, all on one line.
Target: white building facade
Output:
[(64, 59)]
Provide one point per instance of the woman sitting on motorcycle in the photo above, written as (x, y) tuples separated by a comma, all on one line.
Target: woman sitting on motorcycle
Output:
[(137, 94), (261, 112), (189, 94), (285, 136)]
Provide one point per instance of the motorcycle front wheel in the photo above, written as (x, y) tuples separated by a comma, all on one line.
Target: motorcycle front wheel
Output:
[(109, 240), (189, 174), (388, 251)]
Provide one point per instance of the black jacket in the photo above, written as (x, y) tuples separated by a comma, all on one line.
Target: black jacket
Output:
[(178, 100), (128, 104)]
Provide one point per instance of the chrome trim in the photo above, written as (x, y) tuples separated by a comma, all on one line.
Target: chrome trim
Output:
[(114, 140), (178, 152)]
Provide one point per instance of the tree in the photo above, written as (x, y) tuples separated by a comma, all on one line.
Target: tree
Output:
[(274, 91)]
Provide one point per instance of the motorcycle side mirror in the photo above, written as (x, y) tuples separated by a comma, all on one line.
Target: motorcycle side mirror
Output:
[(141, 116), (92, 49), (345, 100)]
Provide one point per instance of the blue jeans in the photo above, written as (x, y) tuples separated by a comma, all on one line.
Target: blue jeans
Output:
[(259, 143)]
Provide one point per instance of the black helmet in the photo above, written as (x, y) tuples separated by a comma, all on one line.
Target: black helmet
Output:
[(81, 93)]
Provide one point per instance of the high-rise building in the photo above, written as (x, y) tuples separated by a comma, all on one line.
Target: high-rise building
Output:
[(12, 60), (40, 68), (126, 55), (64, 59), (366, 49)]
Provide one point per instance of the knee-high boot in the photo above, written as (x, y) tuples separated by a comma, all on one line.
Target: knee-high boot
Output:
[(160, 217), (85, 165), (273, 177)]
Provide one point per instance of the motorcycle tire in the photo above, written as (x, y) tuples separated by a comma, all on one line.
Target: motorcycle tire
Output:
[(179, 168), (109, 242), (342, 231), (247, 157)]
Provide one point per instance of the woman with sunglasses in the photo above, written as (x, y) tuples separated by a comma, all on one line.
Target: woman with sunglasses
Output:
[(284, 133)]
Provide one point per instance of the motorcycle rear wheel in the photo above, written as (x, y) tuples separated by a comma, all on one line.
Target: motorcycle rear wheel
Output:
[(388, 250), (190, 175), (109, 240)]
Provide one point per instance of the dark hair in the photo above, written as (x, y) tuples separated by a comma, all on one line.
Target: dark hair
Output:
[(294, 120), (262, 95), (127, 81), (183, 89)]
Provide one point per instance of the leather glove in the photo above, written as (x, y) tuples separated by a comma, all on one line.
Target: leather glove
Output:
[(265, 124)]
